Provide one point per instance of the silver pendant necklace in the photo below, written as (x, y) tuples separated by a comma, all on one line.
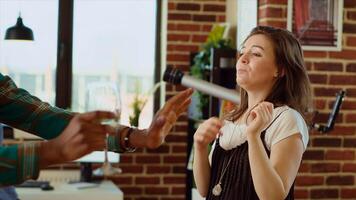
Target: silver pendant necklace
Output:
[(217, 189)]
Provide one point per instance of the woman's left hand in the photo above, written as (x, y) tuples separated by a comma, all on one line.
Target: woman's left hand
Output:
[(260, 117)]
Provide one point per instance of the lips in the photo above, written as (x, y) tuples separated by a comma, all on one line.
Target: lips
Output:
[(241, 71)]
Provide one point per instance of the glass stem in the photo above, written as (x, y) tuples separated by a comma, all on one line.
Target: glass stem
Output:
[(106, 149)]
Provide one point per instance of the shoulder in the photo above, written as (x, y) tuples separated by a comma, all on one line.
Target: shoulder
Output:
[(286, 122)]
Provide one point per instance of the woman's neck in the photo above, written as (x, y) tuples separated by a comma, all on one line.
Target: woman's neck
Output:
[(255, 97)]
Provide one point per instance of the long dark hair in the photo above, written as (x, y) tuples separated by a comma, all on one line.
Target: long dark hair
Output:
[(293, 87)]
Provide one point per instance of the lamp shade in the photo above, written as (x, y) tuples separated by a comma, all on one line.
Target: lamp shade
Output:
[(19, 32)]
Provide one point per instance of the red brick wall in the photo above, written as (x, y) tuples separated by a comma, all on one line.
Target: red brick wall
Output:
[(329, 165), (160, 174)]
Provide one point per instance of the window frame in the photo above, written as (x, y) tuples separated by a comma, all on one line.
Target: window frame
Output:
[(64, 71)]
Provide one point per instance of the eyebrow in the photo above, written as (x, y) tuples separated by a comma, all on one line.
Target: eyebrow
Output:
[(258, 46)]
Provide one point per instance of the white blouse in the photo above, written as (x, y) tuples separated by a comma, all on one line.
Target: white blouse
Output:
[(290, 122)]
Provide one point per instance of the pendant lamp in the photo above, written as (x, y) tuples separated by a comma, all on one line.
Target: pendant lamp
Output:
[(19, 31)]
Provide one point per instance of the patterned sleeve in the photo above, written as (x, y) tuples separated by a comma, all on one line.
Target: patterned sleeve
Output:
[(18, 163), (23, 111)]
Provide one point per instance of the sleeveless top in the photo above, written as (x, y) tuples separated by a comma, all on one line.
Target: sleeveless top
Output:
[(237, 182)]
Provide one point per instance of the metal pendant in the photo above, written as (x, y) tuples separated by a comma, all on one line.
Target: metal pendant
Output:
[(217, 189)]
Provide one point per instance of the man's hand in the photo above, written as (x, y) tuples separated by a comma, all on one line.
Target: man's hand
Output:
[(83, 135), (165, 118)]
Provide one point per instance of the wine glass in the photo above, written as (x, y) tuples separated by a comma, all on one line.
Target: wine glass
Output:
[(105, 96)]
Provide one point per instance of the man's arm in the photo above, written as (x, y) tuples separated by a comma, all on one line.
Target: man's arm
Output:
[(21, 110)]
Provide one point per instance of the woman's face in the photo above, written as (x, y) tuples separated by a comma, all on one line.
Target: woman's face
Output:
[(256, 68)]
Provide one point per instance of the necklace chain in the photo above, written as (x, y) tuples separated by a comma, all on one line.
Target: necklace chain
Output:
[(217, 188)]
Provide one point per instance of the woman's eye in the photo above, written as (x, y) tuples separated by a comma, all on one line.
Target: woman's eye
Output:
[(257, 54)]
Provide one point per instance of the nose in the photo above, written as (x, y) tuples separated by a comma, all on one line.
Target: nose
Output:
[(244, 58)]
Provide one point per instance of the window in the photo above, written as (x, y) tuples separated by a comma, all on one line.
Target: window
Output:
[(31, 64), (115, 41)]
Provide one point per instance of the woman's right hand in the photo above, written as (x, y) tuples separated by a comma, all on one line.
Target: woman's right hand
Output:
[(207, 132)]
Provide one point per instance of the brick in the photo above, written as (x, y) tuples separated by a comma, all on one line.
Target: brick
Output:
[(176, 138), (271, 12), (326, 142), (157, 190), (178, 190), (351, 118), (148, 159), (207, 28), (326, 92), (351, 67), (171, 27), (317, 78), (131, 168), (173, 180), (321, 118), (162, 149), (204, 18), (281, 2), (309, 180), (171, 6), (199, 38), (175, 159), (301, 194), (346, 105), (304, 167), (342, 130), (351, 92), (274, 23), (179, 149), (340, 180), (173, 198), (127, 190), (188, 6), (319, 104), (308, 65), (178, 57), (344, 54), (350, 142), (214, 8), (325, 167), (348, 193), (177, 16), (340, 155), (181, 128), (351, 41), (126, 158), (349, 28), (351, 15), (349, 4), (327, 66), (178, 37), (179, 169), (343, 79), (147, 180), (324, 193), (126, 180), (158, 169), (349, 167), (314, 54), (188, 27), (221, 18), (313, 155)]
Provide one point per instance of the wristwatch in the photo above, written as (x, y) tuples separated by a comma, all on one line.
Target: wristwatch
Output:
[(127, 146)]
